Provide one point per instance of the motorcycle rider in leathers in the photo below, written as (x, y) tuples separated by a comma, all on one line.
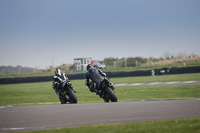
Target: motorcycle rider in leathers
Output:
[(93, 77), (58, 81)]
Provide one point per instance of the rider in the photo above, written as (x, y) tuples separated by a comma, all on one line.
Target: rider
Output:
[(94, 75), (58, 81)]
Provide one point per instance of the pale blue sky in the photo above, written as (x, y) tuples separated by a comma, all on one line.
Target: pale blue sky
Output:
[(35, 33)]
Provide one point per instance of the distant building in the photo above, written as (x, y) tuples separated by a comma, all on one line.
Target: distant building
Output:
[(80, 64)]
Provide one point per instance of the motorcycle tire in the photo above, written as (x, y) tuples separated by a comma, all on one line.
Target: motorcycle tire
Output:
[(72, 96), (111, 94)]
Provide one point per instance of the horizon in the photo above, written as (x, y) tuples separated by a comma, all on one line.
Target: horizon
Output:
[(165, 56)]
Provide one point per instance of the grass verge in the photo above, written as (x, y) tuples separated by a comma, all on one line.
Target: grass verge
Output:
[(188, 125)]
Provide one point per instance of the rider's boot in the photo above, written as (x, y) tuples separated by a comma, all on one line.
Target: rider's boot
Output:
[(60, 97), (73, 89)]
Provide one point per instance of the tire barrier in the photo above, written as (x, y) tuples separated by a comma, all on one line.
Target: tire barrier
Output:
[(25, 80), (128, 74), (177, 70), (37, 79), (162, 71)]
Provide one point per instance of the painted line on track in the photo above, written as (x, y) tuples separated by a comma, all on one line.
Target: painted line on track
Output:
[(3, 107), (160, 83)]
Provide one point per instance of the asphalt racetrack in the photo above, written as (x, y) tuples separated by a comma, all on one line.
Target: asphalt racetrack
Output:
[(38, 117)]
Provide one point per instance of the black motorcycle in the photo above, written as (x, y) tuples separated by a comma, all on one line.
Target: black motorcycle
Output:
[(67, 94), (106, 91)]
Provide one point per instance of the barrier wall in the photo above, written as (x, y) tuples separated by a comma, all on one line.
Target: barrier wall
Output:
[(162, 71)]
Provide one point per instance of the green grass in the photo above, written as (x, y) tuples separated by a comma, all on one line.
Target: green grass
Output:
[(42, 93), (29, 93), (158, 92), (189, 125)]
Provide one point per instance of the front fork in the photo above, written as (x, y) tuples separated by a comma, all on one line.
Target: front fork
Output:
[(112, 86)]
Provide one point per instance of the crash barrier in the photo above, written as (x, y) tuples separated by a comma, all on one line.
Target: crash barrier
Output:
[(177, 70), (36, 79), (154, 72)]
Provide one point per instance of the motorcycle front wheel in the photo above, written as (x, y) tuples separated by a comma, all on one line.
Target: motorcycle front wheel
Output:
[(110, 94), (72, 96)]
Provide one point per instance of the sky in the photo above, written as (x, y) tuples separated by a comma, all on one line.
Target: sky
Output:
[(41, 33)]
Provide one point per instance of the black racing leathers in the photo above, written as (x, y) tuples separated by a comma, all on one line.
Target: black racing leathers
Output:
[(57, 81), (96, 76)]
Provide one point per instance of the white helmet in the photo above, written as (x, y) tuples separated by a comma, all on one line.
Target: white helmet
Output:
[(58, 72)]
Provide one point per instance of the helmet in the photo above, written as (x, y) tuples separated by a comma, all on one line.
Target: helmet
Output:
[(89, 66), (58, 72)]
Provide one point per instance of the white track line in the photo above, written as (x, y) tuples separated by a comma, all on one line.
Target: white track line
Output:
[(158, 83)]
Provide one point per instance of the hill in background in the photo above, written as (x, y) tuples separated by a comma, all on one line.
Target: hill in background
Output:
[(17, 69)]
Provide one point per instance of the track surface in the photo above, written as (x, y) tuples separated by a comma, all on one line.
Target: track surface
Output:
[(37, 117)]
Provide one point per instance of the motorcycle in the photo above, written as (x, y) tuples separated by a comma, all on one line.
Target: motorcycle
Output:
[(105, 90), (67, 93)]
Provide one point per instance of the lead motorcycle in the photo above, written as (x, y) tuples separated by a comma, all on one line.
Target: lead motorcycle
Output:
[(105, 90), (67, 94)]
